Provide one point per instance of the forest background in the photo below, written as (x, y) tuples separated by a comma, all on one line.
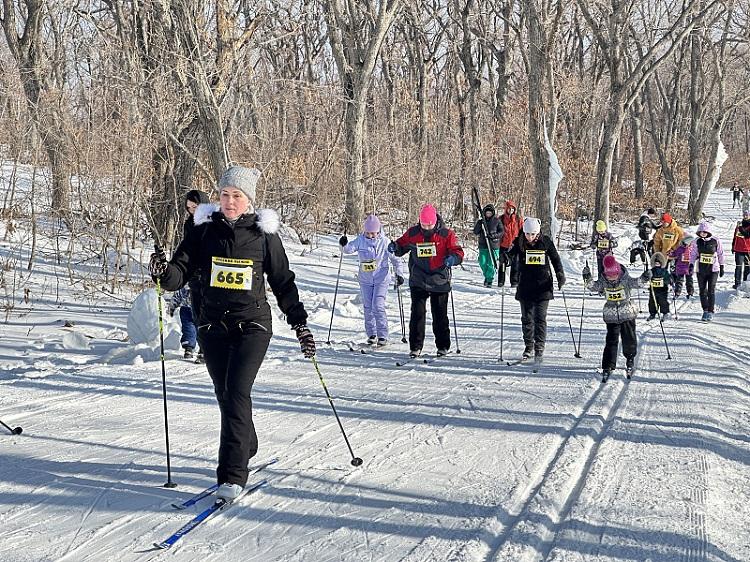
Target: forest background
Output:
[(357, 106)]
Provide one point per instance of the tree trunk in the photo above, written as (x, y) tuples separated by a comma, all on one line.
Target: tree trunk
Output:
[(636, 122), (539, 154)]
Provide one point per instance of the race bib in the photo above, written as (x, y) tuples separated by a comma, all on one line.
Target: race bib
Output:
[(603, 244), (708, 259), (536, 257), (426, 250), (668, 236), (231, 273), (369, 266), (657, 282), (615, 295)]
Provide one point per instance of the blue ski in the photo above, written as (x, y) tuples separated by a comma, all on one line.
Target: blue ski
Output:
[(218, 506), (211, 489)]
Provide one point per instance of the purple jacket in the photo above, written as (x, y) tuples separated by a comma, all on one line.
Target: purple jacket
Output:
[(373, 259), (684, 256)]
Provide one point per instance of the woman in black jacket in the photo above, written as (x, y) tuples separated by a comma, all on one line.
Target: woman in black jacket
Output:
[(533, 252), (234, 250)]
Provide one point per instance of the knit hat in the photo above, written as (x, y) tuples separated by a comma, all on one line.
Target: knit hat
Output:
[(610, 266), (196, 197), (428, 215), (531, 225), (704, 226), (489, 207), (666, 218), (372, 224), (240, 178), (601, 227), (688, 239)]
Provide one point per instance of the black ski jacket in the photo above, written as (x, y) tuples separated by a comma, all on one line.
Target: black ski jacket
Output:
[(255, 251), (532, 272), (495, 230)]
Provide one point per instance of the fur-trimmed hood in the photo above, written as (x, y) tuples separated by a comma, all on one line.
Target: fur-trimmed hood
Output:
[(267, 220)]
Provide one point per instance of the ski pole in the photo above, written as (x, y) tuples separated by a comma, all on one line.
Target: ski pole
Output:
[(455, 331), (661, 323), (580, 326), (502, 312), (356, 461), (169, 483), (335, 293), (570, 324), (14, 430), (401, 313)]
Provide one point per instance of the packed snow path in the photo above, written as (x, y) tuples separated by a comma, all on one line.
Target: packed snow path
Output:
[(465, 459)]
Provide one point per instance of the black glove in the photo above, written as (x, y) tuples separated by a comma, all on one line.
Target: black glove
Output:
[(560, 280), (399, 280), (306, 340), (504, 259), (158, 264), (392, 247), (586, 273), (343, 241), (721, 271)]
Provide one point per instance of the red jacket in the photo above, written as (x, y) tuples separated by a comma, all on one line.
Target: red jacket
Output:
[(512, 224), (741, 239), (427, 269)]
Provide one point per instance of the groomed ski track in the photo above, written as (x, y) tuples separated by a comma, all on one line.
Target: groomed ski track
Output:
[(465, 459)]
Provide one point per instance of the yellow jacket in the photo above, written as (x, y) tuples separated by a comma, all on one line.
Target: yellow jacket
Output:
[(667, 238)]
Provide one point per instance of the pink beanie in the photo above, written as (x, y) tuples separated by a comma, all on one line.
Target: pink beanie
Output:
[(428, 215), (372, 224), (610, 265)]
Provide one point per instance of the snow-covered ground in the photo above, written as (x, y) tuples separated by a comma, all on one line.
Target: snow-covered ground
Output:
[(465, 459)]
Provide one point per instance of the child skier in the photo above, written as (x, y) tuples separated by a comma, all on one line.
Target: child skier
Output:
[(494, 227), (683, 269), (647, 227), (668, 236), (741, 250), (661, 279), (534, 252), (710, 258), (374, 276), (433, 249), (619, 312), (603, 242), (181, 300)]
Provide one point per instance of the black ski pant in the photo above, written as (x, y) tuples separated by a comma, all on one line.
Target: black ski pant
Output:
[(636, 253), (615, 332), (707, 289), (687, 279), (233, 358), (440, 325), (534, 324), (742, 267), (662, 301)]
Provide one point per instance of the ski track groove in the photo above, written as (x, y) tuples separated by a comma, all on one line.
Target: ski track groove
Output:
[(517, 526)]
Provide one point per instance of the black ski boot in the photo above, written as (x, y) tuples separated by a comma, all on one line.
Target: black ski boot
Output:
[(629, 368), (605, 374)]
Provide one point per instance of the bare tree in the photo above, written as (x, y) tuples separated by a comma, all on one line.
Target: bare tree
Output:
[(356, 32)]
